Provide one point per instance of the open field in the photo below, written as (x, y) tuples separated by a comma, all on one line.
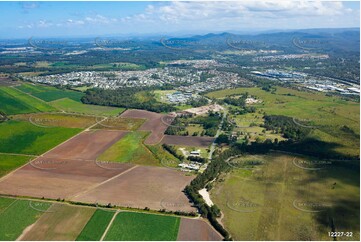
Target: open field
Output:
[(96, 225), (16, 215), (48, 93), (31, 139), (326, 114), (284, 197), (58, 178), (143, 186), (57, 120), (130, 149), (154, 123), (119, 123), (197, 230), (187, 140), (15, 102), (65, 222), (146, 227), (71, 106), (87, 145), (11, 162)]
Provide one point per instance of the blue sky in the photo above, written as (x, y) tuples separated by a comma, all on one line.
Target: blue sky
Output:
[(73, 19)]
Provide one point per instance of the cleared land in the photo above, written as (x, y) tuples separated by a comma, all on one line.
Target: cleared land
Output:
[(48, 93), (65, 222), (146, 227), (154, 123), (327, 114), (130, 149), (272, 197), (15, 102), (87, 145), (187, 140), (30, 139), (71, 106), (197, 230), (11, 162), (57, 178), (144, 186), (16, 215), (96, 226), (119, 123), (57, 120)]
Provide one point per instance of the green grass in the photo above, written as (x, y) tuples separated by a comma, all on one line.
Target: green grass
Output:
[(96, 226), (24, 138), (15, 102), (146, 227), (11, 162), (326, 113), (69, 105), (258, 203), (17, 216), (48, 93), (130, 149)]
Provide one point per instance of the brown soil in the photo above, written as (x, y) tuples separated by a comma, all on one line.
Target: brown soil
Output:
[(187, 140), (197, 230)]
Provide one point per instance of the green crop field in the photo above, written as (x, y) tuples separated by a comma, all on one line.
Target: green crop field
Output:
[(326, 114), (130, 149), (11, 162), (96, 226), (15, 102), (48, 93), (57, 120), (284, 197), (16, 215), (63, 223), (71, 106), (25, 138), (140, 226)]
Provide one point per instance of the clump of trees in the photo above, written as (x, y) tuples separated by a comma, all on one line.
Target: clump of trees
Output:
[(135, 97), (286, 126)]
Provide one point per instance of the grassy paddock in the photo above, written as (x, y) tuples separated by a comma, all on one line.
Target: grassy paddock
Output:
[(15, 102), (327, 115), (270, 198), (141, 226), (16, 215), (96, 226), (25, 138), (130, 149), (48, 93), (57, 120), (71, 106), (11, 162)]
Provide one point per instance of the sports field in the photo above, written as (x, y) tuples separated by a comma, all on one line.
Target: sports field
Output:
[(16, 215), (15, 102), (48, 93), (327, 115), (31, 139), (10, 162), (285, 197), (96, 226), (130, 149), (71, 106), (138, 226)]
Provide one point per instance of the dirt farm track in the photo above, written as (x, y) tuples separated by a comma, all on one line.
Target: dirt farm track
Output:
[(71, 172)]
